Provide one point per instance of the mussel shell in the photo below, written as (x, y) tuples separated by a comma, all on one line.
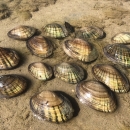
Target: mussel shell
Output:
[(118, 53), (91, 32), (51, 106), (96, 95), (123, 37), (69, 72), (55, 30), (112, 77), (21, 32), (40, 70), (11, 85), (40, 46), (8, 58), (80, 49)]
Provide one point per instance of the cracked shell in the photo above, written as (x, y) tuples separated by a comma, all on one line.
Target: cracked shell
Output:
[(55, 30), (21, 32), (112, 77), (69, 72), (40, 46), (11, 85), (118, 53), (8, 58), (96, 95), (51, 106), (123, 37), (80, 49), (91, 32), (40, 71)]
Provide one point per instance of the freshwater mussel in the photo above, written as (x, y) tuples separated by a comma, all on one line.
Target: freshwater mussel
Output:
[(91, 32), (57, 30), (80, 49), (112, 77), (40, 46), (21, 32), (118, 53), (96, 95), (51, 106), (12, 85), (40, 70), (8, 58), (69, 72), (123, 37)]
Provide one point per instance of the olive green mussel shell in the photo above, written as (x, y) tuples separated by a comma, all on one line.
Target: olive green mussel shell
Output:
[(40, 71), (21, 32), (112, 77), (123, 37), (11, 85), (51, 106), (96, 95), (8, 58), (91, 32), (69, 72), (40, 46), (80, 49), (118, 53), (55, 30)]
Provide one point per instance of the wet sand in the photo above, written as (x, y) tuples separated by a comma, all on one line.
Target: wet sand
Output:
[(111, 15)]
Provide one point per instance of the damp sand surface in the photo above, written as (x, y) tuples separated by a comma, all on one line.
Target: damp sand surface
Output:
[(111, 15)]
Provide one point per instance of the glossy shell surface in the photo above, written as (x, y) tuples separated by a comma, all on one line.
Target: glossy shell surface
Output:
[(112, 77), (96, 95), (69, 72), (21, 32), (11, 85), (92, 32), (51, 106), (118, 53), (80, 49), (40, 70), (123, 37), (40, 46), (55, 30), (8, 58)]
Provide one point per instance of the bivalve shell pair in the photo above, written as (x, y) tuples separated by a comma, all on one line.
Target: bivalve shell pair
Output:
[(40, 70), (69, 72), (112, 77), (8, 58), (118, 53), (21, 32), (80, 49), (57, 30), (40, 46), (123, 37), (51, 106), (96, 95), (11, 85), (91, 32)]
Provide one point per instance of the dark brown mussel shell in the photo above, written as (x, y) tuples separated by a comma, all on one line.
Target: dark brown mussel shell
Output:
[(96, 95), (91, 32), (123, 37), (51, 106), (40, 70), (69, 72), (11, 85), (21, 32), (80, 49), (118, 53), (8, 58), (112, 77), (40, 46)]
